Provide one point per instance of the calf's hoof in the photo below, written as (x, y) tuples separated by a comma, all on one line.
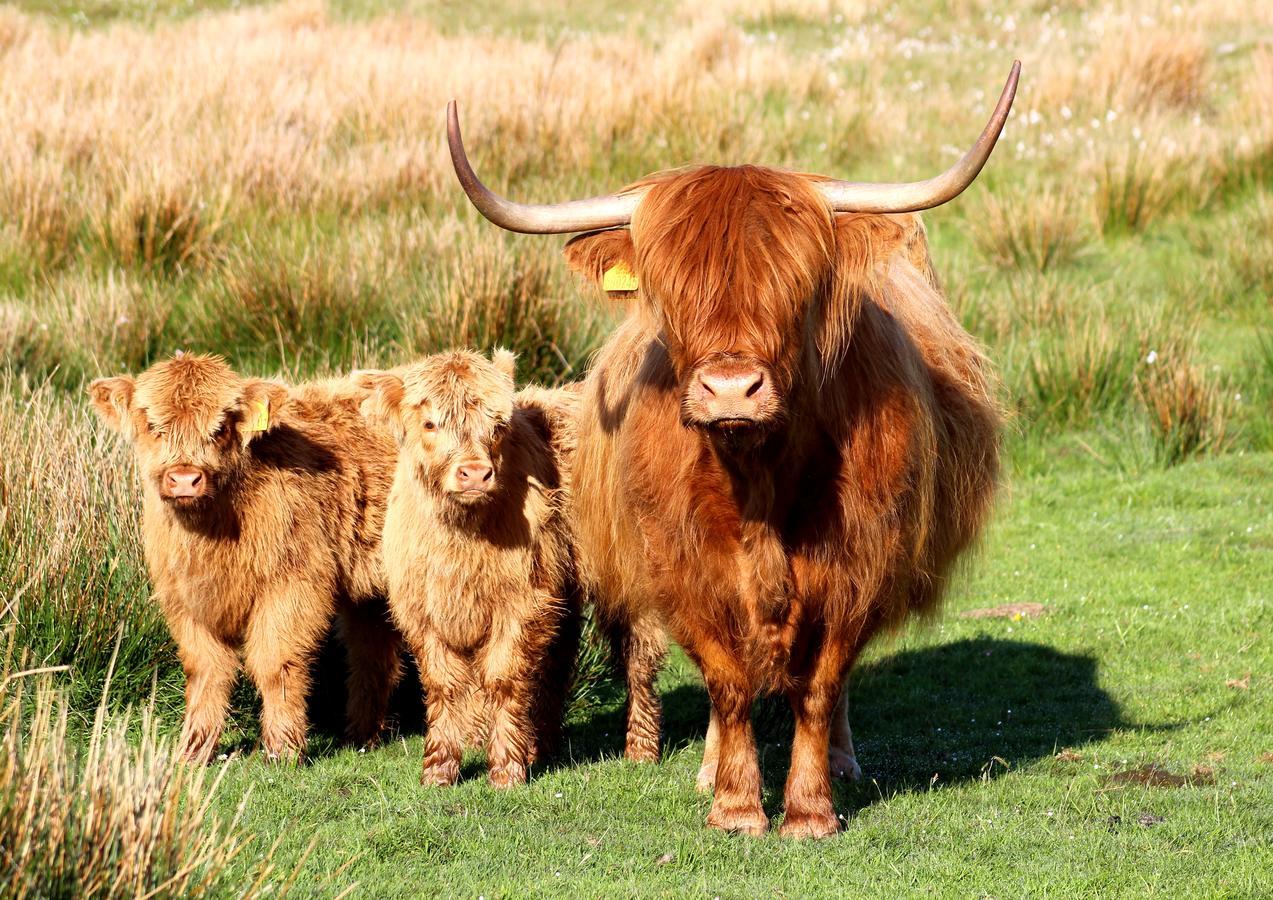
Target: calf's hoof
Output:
[(809, 825), (284, 756), (508, 776), (705, 783), (741, 820), (844, 765), (440, 775)]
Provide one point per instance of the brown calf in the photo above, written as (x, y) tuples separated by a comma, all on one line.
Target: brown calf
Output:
[(478, 553), (262, 511)]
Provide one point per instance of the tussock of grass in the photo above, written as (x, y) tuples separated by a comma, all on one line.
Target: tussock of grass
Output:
[(72, 579), (1189, 413), (116, 816), (1029, 229)]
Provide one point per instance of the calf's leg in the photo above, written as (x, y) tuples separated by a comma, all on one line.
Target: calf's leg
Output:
[(282, 641), (373, 647), (448, 683), (210, 665)]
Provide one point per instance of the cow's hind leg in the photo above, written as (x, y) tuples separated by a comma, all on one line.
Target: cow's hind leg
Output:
[(640, 647), (844, 762), (373, 649), (706, 779)]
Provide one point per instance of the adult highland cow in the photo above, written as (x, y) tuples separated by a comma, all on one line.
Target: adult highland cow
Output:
[(782, 449)]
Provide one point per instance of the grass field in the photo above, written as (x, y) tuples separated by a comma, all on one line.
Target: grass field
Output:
[(270, 182)]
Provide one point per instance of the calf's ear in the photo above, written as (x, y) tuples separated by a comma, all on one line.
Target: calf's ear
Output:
[(505, 361), (260, 405), (383, 405), (606, 258), (111, 399)]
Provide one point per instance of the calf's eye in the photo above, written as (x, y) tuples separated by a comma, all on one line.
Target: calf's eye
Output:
[(430, 425)]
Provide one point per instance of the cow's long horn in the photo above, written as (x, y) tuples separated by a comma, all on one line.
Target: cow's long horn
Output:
[(552, 218), (848, 196)]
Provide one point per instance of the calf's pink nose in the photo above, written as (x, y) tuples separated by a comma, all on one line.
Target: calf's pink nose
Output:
[(473, 476), (184, 481)]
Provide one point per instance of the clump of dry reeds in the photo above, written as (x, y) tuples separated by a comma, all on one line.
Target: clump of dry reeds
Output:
[(1189, 413), (109, 813), (1035, 230)]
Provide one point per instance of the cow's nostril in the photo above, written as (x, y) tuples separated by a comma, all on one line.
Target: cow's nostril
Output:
[(756, 385), (486, 476), (707, 387)]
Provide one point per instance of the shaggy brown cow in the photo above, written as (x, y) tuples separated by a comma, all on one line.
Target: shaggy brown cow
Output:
[(261, 518), (479, 555), (784, 447)]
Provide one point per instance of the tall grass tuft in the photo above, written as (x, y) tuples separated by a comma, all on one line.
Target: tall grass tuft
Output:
[(1188, 413), (72, 578), (105, 814), (1034, 230), (1133, 189)]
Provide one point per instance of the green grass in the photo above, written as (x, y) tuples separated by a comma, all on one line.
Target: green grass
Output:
[(1157, 594)]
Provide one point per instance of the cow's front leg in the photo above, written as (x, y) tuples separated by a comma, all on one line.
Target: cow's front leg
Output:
[(372, 647), (807, 797), (736, 804)]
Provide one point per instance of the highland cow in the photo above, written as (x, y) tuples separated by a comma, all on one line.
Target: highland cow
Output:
[(784, 447), (262, 512), (479, 555)]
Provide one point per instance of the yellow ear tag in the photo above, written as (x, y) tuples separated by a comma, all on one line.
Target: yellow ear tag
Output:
[(260, 415), (619, 278)]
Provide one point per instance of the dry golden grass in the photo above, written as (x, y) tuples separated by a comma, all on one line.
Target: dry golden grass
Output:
[(1029, 228), (117, 816), (1189, 412)]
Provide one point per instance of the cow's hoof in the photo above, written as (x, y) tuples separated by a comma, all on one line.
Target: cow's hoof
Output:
[(844, 766), (443, 775), (642, 752), (705, 783), (809, 826), (751, 821), (508, 776)]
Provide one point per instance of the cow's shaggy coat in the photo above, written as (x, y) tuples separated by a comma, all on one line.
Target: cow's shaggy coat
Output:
[(479, 555), (774, 544), (262, 512)]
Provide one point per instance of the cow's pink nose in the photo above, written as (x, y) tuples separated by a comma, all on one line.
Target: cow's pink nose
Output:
[(473, 476), (733, 385), (184, 481)]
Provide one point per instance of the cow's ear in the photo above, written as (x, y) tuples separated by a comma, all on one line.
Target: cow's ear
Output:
[(606, 258), (383, 405), (259, 407), (111, 399)]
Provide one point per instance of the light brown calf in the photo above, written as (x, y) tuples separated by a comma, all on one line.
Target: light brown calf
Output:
[(261, 519), (478, 553)]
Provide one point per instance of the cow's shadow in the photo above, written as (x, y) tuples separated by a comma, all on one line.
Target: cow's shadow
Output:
[(974, 708)]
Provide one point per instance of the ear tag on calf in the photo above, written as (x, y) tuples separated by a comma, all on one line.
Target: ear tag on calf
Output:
[(619, 278), (260, 417)]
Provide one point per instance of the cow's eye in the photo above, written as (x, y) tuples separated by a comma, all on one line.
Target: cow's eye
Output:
[(430, 425)]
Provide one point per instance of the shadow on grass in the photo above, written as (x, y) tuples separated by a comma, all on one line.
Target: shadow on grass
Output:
[(960, 711)]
